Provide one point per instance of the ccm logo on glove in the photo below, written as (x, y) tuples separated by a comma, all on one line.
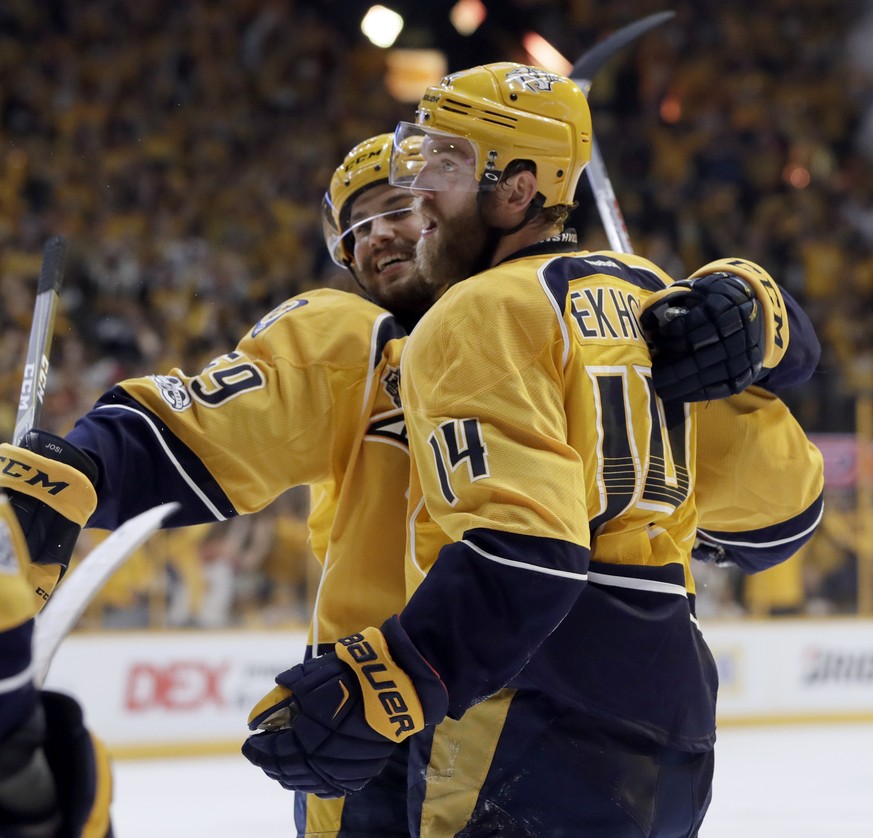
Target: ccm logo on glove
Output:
[(18, 470), (386, 708)]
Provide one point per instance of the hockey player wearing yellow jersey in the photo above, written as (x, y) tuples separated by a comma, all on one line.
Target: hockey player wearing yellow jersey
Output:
[(548, 668), (309, 396)]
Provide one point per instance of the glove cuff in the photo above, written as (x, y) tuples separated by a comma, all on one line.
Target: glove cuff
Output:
[(393, 705), (430, 687), (768, 296)]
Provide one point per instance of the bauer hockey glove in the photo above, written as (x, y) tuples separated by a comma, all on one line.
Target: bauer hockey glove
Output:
[(50, 483), (333, 721), (714, 334)]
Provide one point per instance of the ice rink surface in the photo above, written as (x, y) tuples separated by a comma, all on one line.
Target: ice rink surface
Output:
[(771, 782)]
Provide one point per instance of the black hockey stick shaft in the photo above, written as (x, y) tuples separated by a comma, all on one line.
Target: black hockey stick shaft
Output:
[(587, 66), (36, 361), (583, 73)]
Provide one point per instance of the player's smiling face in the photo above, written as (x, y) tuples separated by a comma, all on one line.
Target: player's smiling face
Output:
[(386, 230)]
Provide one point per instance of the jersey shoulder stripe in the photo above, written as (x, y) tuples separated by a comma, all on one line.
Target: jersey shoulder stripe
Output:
[(625, 267)]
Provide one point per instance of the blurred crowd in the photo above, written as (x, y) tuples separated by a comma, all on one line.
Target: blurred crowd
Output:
[(183, 149)]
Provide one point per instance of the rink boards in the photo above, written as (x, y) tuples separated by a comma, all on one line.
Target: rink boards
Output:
[(168, 693)]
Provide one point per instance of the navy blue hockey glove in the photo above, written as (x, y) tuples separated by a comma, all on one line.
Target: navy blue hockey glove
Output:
[(50, 484), (55, 777), (333, 721), (706, 336), (709, 552)]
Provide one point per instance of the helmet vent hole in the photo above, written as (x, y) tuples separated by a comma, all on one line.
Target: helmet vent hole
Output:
[(513, 96)]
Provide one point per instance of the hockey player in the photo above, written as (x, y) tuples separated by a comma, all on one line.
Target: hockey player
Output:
[(309, 396), (55, 779), (548, 668)]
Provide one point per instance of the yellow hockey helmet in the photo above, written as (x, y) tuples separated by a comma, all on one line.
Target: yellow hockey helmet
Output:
[(365, 166), (507, 112)]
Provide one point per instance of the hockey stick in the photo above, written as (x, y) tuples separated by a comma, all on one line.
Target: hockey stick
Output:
[(73, 596), (36, 361), (583, 74)]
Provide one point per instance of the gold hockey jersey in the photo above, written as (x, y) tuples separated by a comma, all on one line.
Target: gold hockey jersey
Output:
[(309, 397), (555, 498)]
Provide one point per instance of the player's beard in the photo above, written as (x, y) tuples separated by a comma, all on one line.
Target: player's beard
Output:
[(456, 249), (410, 298)]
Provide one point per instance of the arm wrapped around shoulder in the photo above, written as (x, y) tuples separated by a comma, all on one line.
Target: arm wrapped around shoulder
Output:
[(333, 721), (50, 483), (715, 333)]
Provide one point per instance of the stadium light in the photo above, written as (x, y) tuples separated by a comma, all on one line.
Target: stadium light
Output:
[(382, 26), (467, 16), (409, 72), (545, 55)]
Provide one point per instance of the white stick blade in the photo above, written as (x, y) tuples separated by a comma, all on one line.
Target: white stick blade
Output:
[(75, 592)]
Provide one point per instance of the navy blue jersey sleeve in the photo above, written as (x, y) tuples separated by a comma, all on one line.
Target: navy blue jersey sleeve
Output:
[(756, 550), (143, 464), (803, 353), (486, 606)]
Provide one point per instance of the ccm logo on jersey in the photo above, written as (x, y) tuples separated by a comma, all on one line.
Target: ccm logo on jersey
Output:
[(372, 674)]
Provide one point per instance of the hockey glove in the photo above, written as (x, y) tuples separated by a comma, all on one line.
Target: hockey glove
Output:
[(55, 777), (709, 552), (50, 484), (333, 721), (713, 334)]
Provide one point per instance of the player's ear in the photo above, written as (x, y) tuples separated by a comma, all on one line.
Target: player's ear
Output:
[(514, 195)]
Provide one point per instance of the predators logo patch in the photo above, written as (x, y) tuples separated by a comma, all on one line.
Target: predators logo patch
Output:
[(391, 383)]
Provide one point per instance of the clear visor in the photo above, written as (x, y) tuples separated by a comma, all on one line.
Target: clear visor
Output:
[(432, 161), (341, 244), (332, 236)]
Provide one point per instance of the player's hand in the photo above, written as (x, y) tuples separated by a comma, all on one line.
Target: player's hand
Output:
[(55, 776), (50, 484), (332, 722), (706, 336), (709, 552)]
